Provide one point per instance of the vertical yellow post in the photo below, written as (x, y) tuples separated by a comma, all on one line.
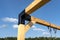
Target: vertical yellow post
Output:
[(21, 32), (22, 29)]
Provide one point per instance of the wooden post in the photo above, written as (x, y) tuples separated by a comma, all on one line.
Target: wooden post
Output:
[(21, 32), (22, 29)]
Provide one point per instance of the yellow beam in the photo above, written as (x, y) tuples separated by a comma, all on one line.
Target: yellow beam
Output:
[(35, 5), (39, 21), (21, 32), (22, 29)]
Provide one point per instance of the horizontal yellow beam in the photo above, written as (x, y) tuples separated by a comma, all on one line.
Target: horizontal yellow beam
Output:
[(39, 21), (35, 5)]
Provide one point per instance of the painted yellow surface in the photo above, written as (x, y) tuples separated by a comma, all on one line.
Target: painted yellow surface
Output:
[(42, 22), (22, 30), (35, 5)]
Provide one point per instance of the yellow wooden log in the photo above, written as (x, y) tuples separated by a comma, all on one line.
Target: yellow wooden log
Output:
[(39, 21), (28, 26), (35, 5), (22, 29), (21, 32)]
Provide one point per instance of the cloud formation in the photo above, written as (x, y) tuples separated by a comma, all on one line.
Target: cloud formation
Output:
[(45, 33), (15, 26), (8, 19), (42, 30), (38, 29)]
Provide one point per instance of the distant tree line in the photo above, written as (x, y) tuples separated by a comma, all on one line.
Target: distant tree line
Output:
[(36, 38)]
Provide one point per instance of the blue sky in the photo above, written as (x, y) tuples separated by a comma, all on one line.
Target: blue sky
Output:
[(9, 10)]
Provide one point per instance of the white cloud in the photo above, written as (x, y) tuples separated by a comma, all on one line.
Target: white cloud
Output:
[(46, 33), (38, 29), (3, 26), (15, 26), (42, 30), (7, 19), (33, 26)]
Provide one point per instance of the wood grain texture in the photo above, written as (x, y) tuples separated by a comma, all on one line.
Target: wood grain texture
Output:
[(42, 22), (35, 5)]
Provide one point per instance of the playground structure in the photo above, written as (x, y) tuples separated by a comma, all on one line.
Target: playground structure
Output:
[(24, 15)]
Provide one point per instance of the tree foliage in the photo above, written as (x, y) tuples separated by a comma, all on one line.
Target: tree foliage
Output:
[(36, 38)]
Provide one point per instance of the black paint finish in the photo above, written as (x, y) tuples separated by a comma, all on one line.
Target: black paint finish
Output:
[(22, 17)]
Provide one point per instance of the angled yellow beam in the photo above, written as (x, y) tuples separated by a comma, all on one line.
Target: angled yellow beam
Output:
[(35, 5), (39, 21), (22, 29)]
